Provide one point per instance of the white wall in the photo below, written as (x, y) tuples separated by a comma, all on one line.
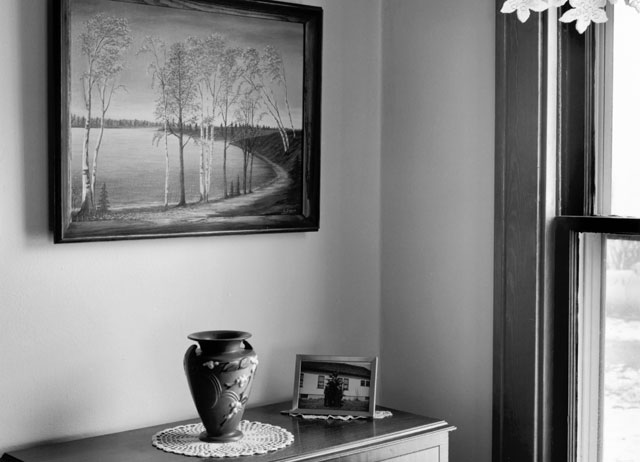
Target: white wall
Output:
[(437, 214), (92, 335)]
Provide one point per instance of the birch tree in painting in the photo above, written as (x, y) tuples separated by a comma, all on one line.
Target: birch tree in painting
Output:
[(248, 119), (273, 67), (229, 93), (181, 101), (215, 45), (158, 68), (199, 55), (207, 53), (108, 69), (260, 72), (103, 43)]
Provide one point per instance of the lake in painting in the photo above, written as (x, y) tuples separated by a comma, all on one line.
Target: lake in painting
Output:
[(132, 167)]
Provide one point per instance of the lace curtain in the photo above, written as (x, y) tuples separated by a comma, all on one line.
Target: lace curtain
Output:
[(583, 12)]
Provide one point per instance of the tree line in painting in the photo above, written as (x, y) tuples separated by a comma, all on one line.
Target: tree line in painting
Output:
[(96, 122), (206, 90)]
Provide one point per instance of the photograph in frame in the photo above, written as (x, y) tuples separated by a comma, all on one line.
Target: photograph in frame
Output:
[(335, 385), (183, 118)]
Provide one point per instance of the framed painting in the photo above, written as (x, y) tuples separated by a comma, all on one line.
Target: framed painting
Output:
[(185, 117), (335, 385)]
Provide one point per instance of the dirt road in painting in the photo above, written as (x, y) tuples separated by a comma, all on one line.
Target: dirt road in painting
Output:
[(260, 199)]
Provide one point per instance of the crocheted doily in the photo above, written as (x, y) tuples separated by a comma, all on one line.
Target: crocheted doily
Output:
[(259, 438), (376, 415)]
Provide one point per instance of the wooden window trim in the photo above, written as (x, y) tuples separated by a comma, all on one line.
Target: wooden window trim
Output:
[(538, 220), (520, 404)]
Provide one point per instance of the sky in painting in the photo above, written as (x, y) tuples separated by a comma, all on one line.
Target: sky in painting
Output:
[(173, 25)]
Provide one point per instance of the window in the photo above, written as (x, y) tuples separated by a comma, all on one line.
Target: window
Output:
[(607, 378), (621, 356), (321, 382), (565, 369), (625, 100), (365, 383), (345, 384), (607, 334)]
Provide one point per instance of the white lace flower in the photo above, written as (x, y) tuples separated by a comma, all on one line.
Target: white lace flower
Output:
[(523, 7), (584, 12), (634, 4)]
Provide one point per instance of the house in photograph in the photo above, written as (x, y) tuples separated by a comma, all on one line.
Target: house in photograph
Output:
[(315, 375)]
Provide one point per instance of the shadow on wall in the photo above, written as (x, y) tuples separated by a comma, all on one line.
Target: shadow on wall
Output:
[(31, 70)]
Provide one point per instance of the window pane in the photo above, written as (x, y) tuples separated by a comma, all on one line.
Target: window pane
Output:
[(621, 387), (625, 138)]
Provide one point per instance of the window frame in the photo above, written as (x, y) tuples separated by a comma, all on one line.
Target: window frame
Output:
[(521, 395), (544, 199)]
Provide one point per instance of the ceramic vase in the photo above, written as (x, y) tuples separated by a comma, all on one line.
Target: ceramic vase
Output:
[(220, 374)]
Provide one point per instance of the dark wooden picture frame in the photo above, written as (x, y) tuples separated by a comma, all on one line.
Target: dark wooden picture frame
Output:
[(335, 385), (184, 118)]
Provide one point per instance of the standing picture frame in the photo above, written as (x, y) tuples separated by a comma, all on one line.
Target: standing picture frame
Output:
[(184, 118), (335, 385)]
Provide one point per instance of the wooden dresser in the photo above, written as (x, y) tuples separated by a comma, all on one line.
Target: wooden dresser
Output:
[(404, 437)]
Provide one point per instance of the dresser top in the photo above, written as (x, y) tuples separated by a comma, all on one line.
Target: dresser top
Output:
[(314, 439)]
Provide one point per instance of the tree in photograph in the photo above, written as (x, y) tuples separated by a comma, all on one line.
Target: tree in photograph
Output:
[(265, 73), (230, 72), (158, 69), (182, 102), (333, 391), (103, 44)]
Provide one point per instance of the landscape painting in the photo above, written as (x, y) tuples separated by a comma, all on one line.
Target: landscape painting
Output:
[(181, 118)]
